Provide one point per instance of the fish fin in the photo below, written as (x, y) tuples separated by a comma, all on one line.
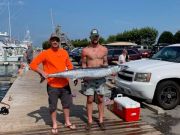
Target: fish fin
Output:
[(42, 79), (75, 82)]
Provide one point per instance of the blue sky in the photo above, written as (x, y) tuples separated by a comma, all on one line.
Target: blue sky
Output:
[(78, 17)]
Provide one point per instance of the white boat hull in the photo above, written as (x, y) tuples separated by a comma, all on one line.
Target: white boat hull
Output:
[(11, 58)]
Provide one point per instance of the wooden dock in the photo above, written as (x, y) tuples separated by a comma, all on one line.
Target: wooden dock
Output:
[(29, 113)]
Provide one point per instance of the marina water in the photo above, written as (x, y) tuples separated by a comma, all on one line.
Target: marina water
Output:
[(6, 72)]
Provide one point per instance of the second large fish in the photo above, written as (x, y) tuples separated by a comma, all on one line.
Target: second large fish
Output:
[(89, 72)]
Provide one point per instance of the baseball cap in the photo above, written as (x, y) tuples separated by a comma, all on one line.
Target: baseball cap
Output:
[(94, 32), (54, 35)]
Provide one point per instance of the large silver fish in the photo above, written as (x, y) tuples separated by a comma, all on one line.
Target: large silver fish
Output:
[(89, 72)]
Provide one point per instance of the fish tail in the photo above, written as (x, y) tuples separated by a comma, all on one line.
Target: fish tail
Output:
[(42, 79)]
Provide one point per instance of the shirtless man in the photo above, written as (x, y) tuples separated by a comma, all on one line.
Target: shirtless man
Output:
[(94, 55)]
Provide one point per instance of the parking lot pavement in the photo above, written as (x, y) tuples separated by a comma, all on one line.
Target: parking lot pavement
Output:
[(168, 123)]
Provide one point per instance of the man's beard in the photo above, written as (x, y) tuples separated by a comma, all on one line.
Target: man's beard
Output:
[(95, 42), (55, 47)]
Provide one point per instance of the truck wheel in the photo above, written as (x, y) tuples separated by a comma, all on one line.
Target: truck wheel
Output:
[(167, 95)]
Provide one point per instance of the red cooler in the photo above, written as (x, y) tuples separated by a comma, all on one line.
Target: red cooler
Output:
[(126, 108)]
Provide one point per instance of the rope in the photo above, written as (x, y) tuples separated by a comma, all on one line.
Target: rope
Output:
[(5, 104)]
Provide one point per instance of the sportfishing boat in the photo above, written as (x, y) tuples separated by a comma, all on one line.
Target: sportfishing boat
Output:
[(10, 51), (27, 40)]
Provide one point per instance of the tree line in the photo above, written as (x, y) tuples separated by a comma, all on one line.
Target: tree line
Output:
[(146, 36)]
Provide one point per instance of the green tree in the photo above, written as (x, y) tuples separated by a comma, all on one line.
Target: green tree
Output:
[(85, 42), (80, 43), (45, 45), (144, 36), (134, 36), (125, 36), (111, 39), (102, 40), (177, 37), (166, 37), (148, 36), (120, 37)]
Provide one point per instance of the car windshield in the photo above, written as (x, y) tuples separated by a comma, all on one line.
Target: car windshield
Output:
[(110, 52), (114, 52), (76, 49), (171, 54), (131, 52), (80, 50)]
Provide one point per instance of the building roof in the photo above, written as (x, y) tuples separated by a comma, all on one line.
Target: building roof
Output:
[(122, 44)]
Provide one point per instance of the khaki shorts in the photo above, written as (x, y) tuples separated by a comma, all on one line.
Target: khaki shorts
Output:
[(95, 85)]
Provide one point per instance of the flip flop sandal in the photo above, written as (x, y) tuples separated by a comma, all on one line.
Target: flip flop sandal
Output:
[(71, 126), (88, 126), (54, 131), (102, 126)]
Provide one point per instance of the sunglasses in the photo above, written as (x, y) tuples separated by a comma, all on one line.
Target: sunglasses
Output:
[(95, 36), (55, 39)]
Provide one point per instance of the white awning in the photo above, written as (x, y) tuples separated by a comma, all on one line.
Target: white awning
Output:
[(121, 44)]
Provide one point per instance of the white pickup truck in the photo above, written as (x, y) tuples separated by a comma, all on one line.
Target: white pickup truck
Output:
[(156, 80)]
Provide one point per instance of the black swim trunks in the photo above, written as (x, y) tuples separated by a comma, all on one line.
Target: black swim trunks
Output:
[(64, 94)]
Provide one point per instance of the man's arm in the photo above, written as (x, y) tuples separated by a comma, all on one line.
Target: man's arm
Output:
[(41, 73), (68, 62), (34, 65), (105, 61), (84, 58)]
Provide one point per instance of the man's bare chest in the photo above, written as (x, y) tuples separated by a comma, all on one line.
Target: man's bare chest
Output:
[(96, 55)]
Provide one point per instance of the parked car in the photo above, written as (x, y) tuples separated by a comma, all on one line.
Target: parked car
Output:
[(74, 51), (141, 47), (113, 55), (76, 55), (158, 47), (156, 80), (145, 53)]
